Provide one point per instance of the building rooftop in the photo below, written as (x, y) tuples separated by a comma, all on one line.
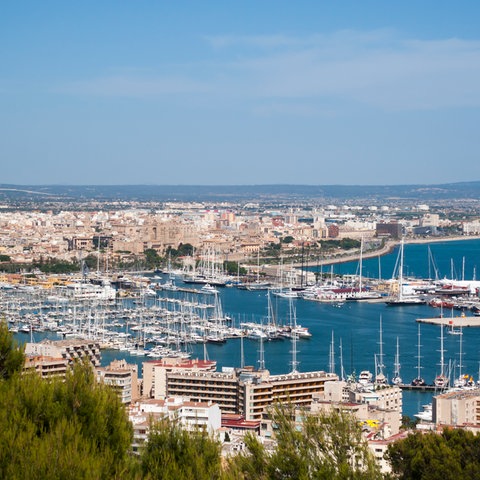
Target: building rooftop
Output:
[(184, 363)]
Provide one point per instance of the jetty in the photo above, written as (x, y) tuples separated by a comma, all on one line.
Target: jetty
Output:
[(460, 321), (420, 388)]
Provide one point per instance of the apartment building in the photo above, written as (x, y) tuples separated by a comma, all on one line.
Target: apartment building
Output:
[(190, 415), (155, 373), (202, 386), (45, 366), (69, 350), (123, 378), (457, 408), (240, 391), (381, 407)]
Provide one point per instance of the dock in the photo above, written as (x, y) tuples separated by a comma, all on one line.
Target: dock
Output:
[(459, 321), (421, 388)]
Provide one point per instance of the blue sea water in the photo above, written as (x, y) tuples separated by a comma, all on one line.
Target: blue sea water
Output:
[(355, 325), (451, 259)]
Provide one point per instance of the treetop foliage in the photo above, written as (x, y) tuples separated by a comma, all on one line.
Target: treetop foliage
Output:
[(76, 428), (12, 357)]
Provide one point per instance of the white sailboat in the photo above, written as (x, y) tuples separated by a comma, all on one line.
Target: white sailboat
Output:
[(361, 294), (441, 380), (401, 298), (418, 381), (463, 381), (397, 379), (380, 378)]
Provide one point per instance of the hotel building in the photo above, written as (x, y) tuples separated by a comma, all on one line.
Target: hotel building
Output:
[(237, 391)]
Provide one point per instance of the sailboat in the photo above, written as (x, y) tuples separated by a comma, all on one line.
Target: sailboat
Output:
[(380, 378), (294, 337), (463, 381), (401, 298), (441, 380), (418, 381), (257, 284), (397, 379), (361, 294)]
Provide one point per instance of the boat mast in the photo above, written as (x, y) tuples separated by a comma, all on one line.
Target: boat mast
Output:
[(419, 377), (397, 363), (98, 255), (331, 363), (242, 356), (360, 267), (380, 364), (400, 272), (293, 330), (442, 352), (342, 372), (460, 364), (261, 360)]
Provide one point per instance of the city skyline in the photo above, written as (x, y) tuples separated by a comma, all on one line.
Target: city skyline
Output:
[(218, 93)]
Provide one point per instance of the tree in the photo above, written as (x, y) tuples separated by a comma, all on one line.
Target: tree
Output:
[(453, 454), (12, 357), (152, 258), (232, 268), (55, 429), (52, 265), (322, 446), (185, 250), (173, 453), (91, 261)]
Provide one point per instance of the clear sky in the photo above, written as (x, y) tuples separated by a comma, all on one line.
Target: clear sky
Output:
[(245, 92)]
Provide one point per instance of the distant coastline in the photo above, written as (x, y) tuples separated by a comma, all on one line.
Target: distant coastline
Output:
[(388, 248)]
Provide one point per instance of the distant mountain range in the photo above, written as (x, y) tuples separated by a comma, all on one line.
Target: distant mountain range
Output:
[(239, 193)]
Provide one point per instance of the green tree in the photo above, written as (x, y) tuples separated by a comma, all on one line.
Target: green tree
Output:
[(185, 250), (12, 357), (324, 446), (53, 265), (62, 429), (173, 453), (453, 454), (232, 268), (152, 258), (91, 261)]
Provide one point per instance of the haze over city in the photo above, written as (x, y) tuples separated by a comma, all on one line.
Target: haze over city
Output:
[(227, 93)]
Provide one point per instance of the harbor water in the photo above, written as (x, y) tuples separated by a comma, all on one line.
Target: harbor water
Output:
[(354, 326)]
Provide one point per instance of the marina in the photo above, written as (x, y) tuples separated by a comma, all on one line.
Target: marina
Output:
[(235, 326)]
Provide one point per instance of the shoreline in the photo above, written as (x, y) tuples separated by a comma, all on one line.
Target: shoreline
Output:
[(388, 248)]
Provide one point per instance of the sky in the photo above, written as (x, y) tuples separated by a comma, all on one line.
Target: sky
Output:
[(239, 92)]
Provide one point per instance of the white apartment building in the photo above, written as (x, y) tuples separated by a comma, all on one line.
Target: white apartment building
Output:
[(190, 415), (70, 350)]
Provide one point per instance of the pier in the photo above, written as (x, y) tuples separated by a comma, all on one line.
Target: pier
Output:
[(458, 321), (421, 388)]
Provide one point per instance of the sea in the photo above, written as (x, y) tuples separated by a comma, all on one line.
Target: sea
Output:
[(358, 331)]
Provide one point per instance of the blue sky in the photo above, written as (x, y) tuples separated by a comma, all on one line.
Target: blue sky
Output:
[(242, 93)]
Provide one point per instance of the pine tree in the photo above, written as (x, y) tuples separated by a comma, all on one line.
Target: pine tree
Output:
[(12, 357)]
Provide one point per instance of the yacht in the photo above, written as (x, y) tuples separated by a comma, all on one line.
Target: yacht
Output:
[(365, 377), (208, 289), (426, 413)]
